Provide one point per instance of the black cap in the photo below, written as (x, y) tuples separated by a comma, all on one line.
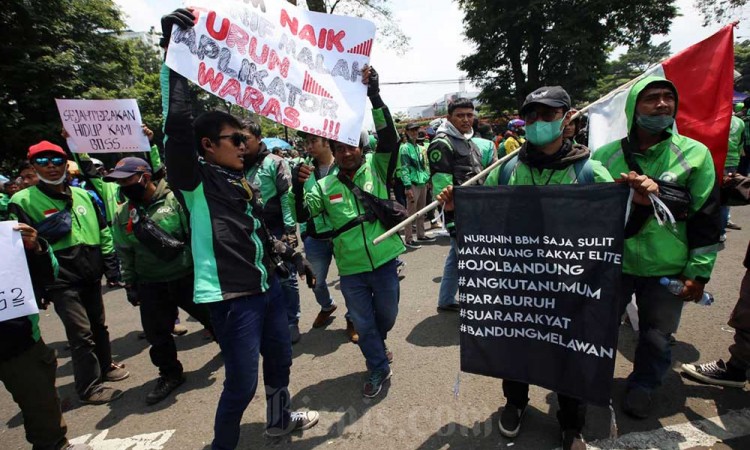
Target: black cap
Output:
[(127, 167), (412, 126), (554, 96)]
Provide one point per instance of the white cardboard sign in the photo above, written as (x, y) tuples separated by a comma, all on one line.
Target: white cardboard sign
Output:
[(103, 126), (299, 68), (16, 291)]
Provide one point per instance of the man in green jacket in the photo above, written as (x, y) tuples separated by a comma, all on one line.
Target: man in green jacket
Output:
[(157, 279), (415, 175), (547, 158), (269, 174), (80, 244), (369, 281), (686, 251), (734, 153), (317, 232)]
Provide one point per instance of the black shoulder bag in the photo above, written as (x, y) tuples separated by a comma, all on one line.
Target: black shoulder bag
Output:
[(154, 238), (389, 212), (56, 226)]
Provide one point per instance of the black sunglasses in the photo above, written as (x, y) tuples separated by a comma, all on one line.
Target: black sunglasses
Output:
[(44, 160), (237, 138)]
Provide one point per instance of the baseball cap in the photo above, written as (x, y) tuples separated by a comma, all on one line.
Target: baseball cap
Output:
[(44, 147), (554, 96), (127, 167), (412, 126)]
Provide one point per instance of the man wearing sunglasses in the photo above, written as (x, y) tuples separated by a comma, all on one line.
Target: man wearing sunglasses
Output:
[(67, 218), (232, 256), (270, 176)]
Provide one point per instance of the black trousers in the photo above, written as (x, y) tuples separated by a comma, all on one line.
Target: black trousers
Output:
[(572, 412), (81, 310), (159, 303)]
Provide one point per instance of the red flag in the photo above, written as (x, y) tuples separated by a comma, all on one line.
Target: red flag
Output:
[(704, 77)]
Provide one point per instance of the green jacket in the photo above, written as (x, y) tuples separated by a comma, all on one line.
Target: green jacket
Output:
[(524, 175), (4, 202), (80, 253), (317, 226), (353, 249), (487, 147), (139, 264), (736, 142), (659, 250), (413, 168), (270, 175)]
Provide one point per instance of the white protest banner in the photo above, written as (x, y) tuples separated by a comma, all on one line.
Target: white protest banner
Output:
[(299, 68), (103, 126), (16, 292)]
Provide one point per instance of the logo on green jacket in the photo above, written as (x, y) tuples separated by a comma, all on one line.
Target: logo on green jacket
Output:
[(81, 210), (435, 155), (368, 187), (669, 177)]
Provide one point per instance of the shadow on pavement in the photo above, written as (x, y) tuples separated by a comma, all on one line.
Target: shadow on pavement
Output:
[(320, 341), (438, 330)]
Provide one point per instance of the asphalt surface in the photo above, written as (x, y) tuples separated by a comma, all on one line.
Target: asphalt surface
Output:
[(418, 410)]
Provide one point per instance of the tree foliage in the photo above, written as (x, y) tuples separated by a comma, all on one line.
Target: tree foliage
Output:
[(523, 45), (66, 49), (719, 11), (742, 65), (628, 66)]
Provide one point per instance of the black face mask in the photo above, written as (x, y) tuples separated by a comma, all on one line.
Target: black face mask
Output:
[(135, 192)]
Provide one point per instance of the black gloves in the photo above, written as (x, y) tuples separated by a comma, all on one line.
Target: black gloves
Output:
[(290, 237), (304, 268), (132, 295), (180, 17), (373, 86)]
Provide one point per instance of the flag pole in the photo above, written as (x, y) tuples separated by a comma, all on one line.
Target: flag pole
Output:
[(411, 219)]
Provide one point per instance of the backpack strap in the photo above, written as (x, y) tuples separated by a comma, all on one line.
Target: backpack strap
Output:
[(507, 170), (584, 171)]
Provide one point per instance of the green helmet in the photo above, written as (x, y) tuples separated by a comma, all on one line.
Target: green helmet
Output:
[(739, 107)]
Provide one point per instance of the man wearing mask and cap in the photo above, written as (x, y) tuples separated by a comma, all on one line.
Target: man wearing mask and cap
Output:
[(158, 272), (415, 175), (547, 158), (72, 224), (686, 252)]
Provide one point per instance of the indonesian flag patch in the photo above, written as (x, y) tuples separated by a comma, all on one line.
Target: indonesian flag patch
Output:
[(50, 212), (336, 198)]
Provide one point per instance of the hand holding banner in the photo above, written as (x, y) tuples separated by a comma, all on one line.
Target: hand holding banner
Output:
[(539, 288), (16, 291), (298, 68), (103, 126)]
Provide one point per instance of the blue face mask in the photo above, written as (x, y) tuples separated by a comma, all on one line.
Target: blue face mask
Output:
[(542, 133), (654, 124)]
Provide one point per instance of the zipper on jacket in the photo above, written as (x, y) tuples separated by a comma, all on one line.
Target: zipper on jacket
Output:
[(364, 236)]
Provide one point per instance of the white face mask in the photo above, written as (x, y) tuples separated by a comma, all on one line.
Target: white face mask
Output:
[(61, 180)]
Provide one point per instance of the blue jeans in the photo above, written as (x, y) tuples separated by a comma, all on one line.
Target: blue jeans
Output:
[(372, 300), (449, 283), (319, 252), (659, 313), (290, 291), (246, 327)]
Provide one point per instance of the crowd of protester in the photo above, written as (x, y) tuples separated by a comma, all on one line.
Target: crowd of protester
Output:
[(211, 223)]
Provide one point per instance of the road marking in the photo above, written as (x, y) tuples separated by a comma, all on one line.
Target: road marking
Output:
[(150, 441), (704, 432)]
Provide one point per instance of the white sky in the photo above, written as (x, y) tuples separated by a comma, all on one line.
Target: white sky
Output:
[(437, 43)]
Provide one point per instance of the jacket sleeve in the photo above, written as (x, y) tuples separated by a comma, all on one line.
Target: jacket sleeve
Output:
[(406, 165), (312, 204), (441, 165), (124, 252), (43, 268), (703, 225), (155, 158), (283, 183), (387, 148), (179, 146)]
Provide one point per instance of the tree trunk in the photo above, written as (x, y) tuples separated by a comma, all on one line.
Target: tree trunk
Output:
[(317, 5)]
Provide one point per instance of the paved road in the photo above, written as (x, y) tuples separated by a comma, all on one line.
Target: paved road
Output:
[(419, 409)]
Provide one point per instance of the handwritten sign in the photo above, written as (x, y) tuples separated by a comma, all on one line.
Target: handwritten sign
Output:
[(299, 68), (103, 126), (16, 292)]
